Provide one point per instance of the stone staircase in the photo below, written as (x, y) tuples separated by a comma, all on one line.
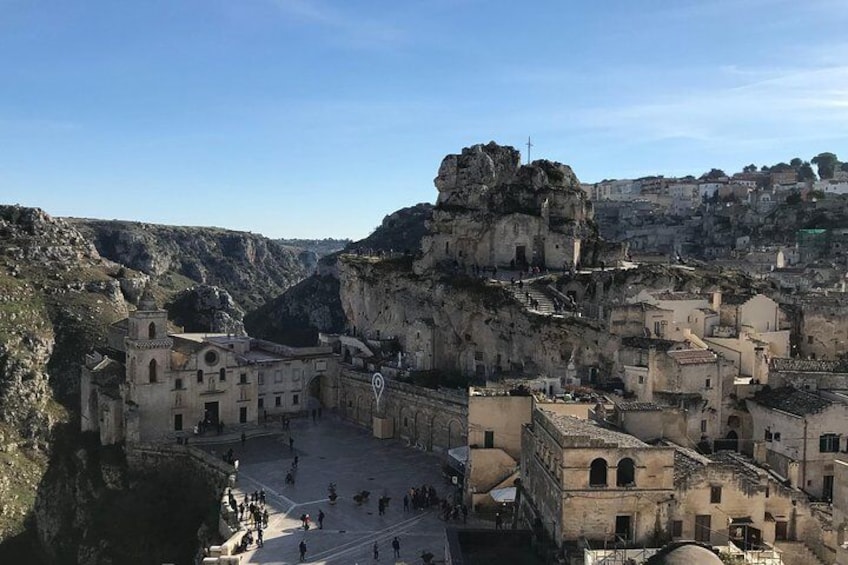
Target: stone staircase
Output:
[(797, 553), (543, 304)]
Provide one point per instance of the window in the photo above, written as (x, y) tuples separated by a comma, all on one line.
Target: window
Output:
[(178, 422), (657, 329), (278, 376), (598, 473), (152, 370), (703, 426), (776, 436), (261, 376), (829, 443), (768, 435), (178, 384), (715, 495), (243, 415), (222, 375), (151, 331), (261, 403), (295, 399), (243, 379), (810, 339), (478, 355), (278, 401), (489, 439), (200, 375), (625, 473), (677, 528), (641, 379), (708, 384), (211, 358), (320, 366)]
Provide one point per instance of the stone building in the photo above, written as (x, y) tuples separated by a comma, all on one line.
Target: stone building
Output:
[(689, 383), (823, 326), (724, 497), (808, 374), (153, 385), (798, 433), (840, 508), (583, 481)]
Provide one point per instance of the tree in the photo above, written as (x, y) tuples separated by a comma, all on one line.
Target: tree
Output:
[(844, 167), (713, 174), (781, 168), (826, 163), (796, 163), (805, 172), (752, 168)]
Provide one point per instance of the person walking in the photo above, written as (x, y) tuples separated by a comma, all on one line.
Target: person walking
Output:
[(291, 444), (376, 552), (396, 547), (498, 521), (405, 503), (320, 519), (259, 541), (243, 439), (302, 548)]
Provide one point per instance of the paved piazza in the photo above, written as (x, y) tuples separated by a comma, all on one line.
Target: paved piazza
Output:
[(332, 450)]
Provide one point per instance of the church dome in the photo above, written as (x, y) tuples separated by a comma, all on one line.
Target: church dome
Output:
[(685, 554)]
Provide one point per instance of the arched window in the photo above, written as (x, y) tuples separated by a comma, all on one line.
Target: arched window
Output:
[(152, 368), (626, 473), (222, 374), (200, 375), (598, 473), (151, 330)]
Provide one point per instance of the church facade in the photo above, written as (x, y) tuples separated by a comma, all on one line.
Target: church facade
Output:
[(155, 386)]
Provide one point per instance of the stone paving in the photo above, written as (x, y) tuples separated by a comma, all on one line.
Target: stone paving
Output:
[(331, 450)]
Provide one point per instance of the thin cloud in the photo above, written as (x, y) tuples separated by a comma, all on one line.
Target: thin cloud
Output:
[(354, 30), (786, 102)]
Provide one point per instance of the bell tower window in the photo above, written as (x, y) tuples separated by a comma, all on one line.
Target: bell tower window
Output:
[(151, 330), (152, 370)]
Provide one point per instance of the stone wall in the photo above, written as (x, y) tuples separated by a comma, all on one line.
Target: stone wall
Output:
[(434, 419)]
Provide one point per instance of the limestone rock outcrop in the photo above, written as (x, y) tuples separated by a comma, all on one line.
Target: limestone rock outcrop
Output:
[(493, 211), (206, 308)]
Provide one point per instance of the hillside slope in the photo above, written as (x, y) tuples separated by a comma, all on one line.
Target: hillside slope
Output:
[(251, 267)]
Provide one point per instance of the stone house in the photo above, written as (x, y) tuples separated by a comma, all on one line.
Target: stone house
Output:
[(680, 303), (724, 497), (154, 386), (640, 320), (823, 326), (495, 420), (689, 384), (798, 433), (583, 481)]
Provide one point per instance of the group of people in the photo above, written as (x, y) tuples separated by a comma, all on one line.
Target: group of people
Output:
[(454, 511), (420, 498), (253, 511)]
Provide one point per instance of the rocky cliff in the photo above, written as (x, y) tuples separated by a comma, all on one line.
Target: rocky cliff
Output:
[(251, 267), (61, 496), (57, 295)]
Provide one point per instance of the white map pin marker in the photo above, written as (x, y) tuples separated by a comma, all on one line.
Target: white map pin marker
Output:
[(378, 384)]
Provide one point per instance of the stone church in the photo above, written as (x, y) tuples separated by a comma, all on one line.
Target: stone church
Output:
[(152, 385)]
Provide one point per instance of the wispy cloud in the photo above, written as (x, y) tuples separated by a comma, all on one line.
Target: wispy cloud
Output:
[(790, 102), (353, 29)]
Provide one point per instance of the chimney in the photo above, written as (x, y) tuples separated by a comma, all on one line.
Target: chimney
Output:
[(717, 300)]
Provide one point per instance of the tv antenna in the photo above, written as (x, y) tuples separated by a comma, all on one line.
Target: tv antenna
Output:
[(529, 145)]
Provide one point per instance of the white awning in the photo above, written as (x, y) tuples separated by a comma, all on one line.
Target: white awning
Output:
[(503, 494), (459, 454)]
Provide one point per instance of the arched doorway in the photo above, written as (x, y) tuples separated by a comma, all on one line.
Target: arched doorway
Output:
[(455, 435), (732, 440)]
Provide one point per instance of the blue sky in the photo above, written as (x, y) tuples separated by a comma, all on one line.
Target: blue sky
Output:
[(302, 118)]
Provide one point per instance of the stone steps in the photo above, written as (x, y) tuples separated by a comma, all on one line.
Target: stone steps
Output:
[(797, 553)]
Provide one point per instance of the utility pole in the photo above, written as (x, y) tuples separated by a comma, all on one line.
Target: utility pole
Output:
[(529, 145)]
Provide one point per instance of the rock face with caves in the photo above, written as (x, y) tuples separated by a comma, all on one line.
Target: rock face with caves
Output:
[(493, 211)]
